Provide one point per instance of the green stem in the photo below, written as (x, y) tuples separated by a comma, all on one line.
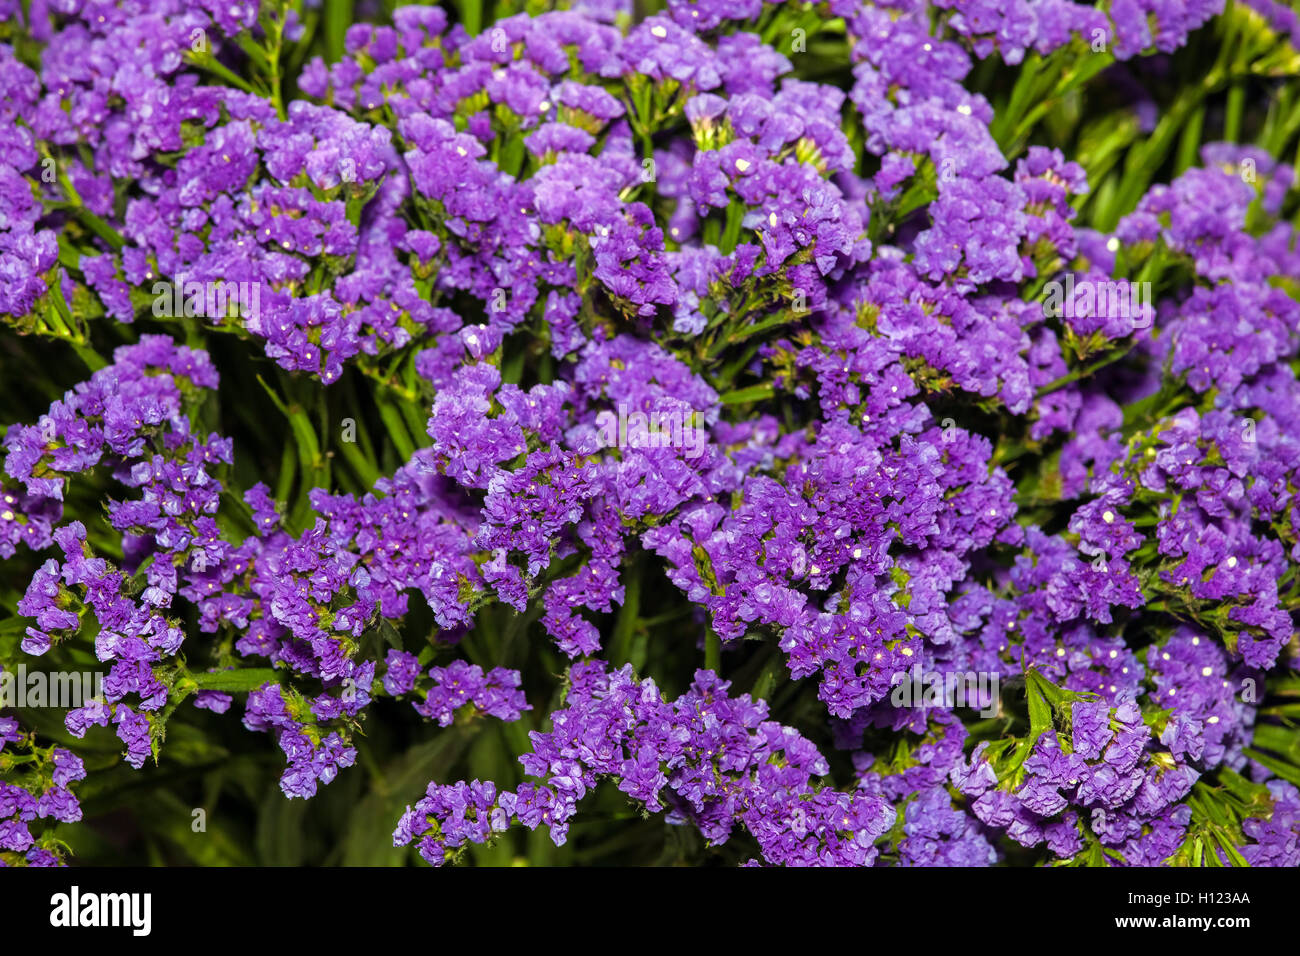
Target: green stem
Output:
[(1079, 373), (1233, 111), (712, 652)]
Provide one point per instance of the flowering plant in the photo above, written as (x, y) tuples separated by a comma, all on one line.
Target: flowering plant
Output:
[(840, 433)]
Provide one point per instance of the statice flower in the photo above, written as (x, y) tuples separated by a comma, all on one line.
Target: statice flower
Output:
[(667, 756), (565, 353), (462, 684)]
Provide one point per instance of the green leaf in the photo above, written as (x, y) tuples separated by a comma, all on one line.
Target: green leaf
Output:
[(1040, 711), (1281, 740), (755, 393), (1284, 770), (1233, 853), (237, 681), (773, 671), (393, 421), (166, 816), (280, 824), (338, 17), (1245, 790), (731, 234), (471, 15), (369, 839), (620, 643), (287, 471)]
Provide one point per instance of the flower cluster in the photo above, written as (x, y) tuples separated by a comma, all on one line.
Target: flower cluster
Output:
[(706, 757), (41, 791), (562, 355)]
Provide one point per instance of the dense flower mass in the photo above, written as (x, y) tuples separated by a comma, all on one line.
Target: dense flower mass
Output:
[(849, 433)]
